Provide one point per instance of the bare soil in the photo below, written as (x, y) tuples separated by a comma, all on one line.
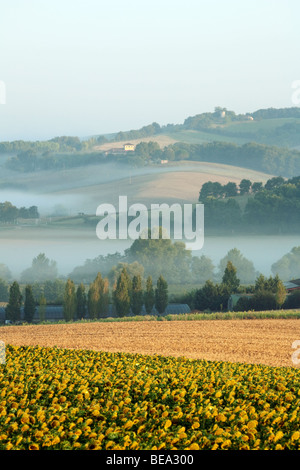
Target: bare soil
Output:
[(263, 341)]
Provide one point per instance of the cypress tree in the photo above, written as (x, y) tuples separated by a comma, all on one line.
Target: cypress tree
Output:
[(13, 308), (149, 297), (137, 295), (69, 302), (161, 295), (80, 301), (29, 304)]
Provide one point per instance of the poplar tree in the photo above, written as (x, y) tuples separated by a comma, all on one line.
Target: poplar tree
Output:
[(102, 286), (137, 295), (98, 297), (149, 297), (69, 302), (122, 294)]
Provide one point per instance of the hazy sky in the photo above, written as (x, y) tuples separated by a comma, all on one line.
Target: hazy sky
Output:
[(84, 67)]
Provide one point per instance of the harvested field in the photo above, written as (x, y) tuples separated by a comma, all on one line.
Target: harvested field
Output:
[(263, 341)]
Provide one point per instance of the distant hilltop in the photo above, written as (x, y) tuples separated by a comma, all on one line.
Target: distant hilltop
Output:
[(204, 121)]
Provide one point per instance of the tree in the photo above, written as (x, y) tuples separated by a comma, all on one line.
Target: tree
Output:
[(92, 301), (54, 291), (13, 308), (292, 300), (5, 272), (133, 269), (256, 187), (264, 300), (280, 295), (270, 293), (42, 307), (104, 297), (211, 189), (81, 301), (230, 189), (212, 297), (288, 267), (245, 186), (136, 295), (202, 269), (122, 294), (8, 212), (4, 294), (274, 182), (161, 256), (42, 269), (29, 304), (161, 295), (69, 303), (149, 296), (98, 297), (230, 278), (244, 267)]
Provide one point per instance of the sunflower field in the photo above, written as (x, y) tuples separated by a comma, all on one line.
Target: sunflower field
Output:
[(52, 398)]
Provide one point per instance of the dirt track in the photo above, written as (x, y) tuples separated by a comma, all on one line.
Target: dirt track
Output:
[(253, 341)]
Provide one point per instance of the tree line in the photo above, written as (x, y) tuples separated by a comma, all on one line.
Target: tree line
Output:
[(128, 296), (264, 294), (284, 133), (9, 212), (270, 208), (256, 156), (57, 144)]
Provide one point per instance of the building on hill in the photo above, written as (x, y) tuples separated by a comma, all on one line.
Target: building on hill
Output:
[(128, 147), (121, 150)]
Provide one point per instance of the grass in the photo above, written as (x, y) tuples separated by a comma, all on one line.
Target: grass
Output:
[(193, 316), (200, 137), (235, 132), (269, 314), (254, 127)]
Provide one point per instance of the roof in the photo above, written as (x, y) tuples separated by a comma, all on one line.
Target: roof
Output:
[(293, 284)]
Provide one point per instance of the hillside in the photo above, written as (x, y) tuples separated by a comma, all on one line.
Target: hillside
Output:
[(83, 189), (280, 127)]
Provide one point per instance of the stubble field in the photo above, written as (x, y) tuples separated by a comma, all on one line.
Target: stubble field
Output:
[(262, 341)]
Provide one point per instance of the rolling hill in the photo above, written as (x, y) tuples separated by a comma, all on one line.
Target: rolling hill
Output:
[(83, 189), (279, 127)]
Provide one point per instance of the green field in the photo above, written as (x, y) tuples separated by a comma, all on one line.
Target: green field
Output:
[(265, 131)]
